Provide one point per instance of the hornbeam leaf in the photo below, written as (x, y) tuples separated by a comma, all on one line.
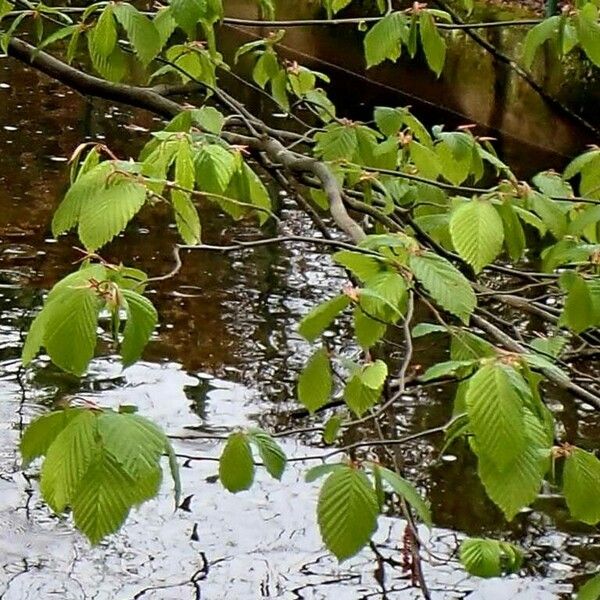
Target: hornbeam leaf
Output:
[(142, 33), (141, 321), (67, 460), (433, 43), (270, 452), (496, 414), (588, 31), (236, 465), (405, 489), (315, 382), (42, 431), (477, 232), (537, 36), (384, 40), (347, 511), (446, 285), (581, 485), (483, 557), (321, 317), (518, 483)]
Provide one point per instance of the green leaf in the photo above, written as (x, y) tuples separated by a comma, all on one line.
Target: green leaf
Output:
[(42, 431), (483, 557), (518, 483), (104, 35), (425, 159), (337, 142), (422, 329), (347, 511), (384, 296), (446, 285), (136, 443), (588, 31), (368, 331), (270, 452), (578, 310), (433, 43), (361, 265), (514, 236), (141, 32), (359, 397), (581, 485), (384, 40), (141, 321), (332, 428), (236, 466), (315, 383), (319, 471), (374, 374), (321, 317), (187, 13), (106, 494), (495, 412), (67, 460), (537, 36), (70, 329), (209, 119), (451, 367), (186, 217), (590, 590), (405, 489), (477, 233)]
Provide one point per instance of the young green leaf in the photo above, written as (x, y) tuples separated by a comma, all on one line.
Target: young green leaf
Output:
[(483, 557), (433, 43), (446, 285), (321, 317), (407, 490), (581, 485), (347, 511), (477, 233), (495, 411), (315, 383), (270, 452), (141, 321), (236, 465)]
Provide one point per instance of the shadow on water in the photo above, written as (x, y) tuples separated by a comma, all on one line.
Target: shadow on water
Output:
[(225, 355)]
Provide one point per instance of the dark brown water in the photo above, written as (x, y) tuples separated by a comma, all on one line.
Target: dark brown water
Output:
[(225, 356)]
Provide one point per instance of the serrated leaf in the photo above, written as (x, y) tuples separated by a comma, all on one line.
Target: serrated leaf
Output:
[(517, 484), (270, 453), (405, 489), (140, 30), (537, 36), (42, 431), (360, 397), (446, 285), (483, 557), (588, 31), (347, 512), (236, 466), (209, 119), (321, 317), (581, 485), (368, 331), (315, 383), (67, 460), (450, 367), (331, 429), (141, 321), (496, 412), (374, 374), (362, 266), (107, 212), (70, 329), (384, 40), (433, 43), (422, 329), (106, 494), (477, 233), (319, 471), (136, 443)]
